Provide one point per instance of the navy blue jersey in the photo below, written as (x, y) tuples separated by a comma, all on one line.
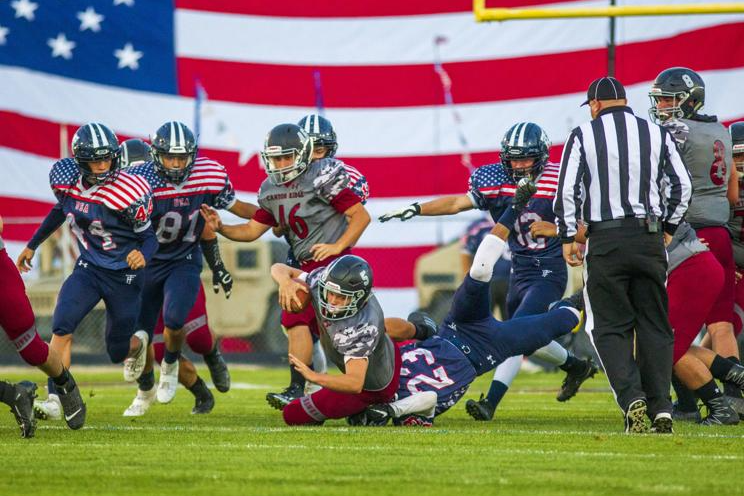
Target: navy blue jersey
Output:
[(491, 188), (106, 219), (175, 215), (435, 365)]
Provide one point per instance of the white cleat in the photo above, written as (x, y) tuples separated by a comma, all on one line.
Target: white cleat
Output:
[(142, 402), (311, 387), (48, 409), (168, 381), (134, 366)]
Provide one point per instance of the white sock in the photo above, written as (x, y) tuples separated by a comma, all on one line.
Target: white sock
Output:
[(552, 353), (508, 370), (420, 403), (486, 256)]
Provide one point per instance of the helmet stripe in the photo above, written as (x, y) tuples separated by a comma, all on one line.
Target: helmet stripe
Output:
[(523, 133), (93, 134), (172, 135), (181, 135), (104, 139)]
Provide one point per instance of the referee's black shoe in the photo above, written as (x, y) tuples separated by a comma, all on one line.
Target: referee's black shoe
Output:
[(635, 418), (662, 424)]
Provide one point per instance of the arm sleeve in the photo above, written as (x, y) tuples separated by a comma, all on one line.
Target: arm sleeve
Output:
[(677, 185), (264, 217), (567, 203), (345, 200), (332, 181), (226, 198), (476, 196), (54, 219), (211, 250)]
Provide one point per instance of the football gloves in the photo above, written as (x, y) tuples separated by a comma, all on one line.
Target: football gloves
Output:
[(525, 189), (221, 277), (403, 214)]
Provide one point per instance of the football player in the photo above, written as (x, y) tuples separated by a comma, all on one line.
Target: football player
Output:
[(539, 273), (736, 221), (181, 183), (323, 218), (199, 337), (325, 145), (109, 213), (469, 342), (677, 95), (18, 321)]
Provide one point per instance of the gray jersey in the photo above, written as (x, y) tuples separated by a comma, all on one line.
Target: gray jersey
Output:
[(359, 336), (684, 245), (706, 150), (736, 223), (306, 205)]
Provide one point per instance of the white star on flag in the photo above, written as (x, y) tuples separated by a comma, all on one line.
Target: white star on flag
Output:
[(3, 34), (90, 19), (24, 8), (128, 3), (128, 57), (61, 46)]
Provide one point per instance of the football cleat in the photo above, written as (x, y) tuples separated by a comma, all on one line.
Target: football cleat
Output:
[(635, 418), (737, 404), (203, 403), (141, 403), (48, 409), (684, 415), (379, 415), (662, 424), (218, 370), (736, 376), (720, 412), (480, 410), (280, 400), (133, 366), (23, 407), (73, 407), (575, 378), (168, 382), (414, 420)]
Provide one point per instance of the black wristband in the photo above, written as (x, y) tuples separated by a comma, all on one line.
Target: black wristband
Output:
[(211, 249)]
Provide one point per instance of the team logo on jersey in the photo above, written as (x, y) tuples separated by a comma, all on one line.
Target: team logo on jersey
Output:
[(130, 278), (546, 272), (81, 207), (181, 202), (83, 264)]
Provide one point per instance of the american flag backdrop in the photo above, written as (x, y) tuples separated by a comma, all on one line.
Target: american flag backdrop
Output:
[(416, 90)]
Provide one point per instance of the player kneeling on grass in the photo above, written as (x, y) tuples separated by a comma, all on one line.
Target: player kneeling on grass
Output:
[(352, 333)]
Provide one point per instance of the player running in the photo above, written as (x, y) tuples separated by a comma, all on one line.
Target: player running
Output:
[(181, 183), (323, 218), (109, 213), (539, 272)]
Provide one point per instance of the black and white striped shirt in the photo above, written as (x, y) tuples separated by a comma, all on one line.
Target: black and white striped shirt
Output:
[(618, 166)]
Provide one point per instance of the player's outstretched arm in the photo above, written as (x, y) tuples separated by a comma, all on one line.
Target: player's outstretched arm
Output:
[(351, 382), (246, 210), (446, 205), (221, 277), (250, 231), (358, 220), (51, 223)]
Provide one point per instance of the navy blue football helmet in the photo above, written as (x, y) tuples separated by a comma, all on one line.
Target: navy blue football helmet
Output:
[(283, 141), (174, 139), (134, 152), (525, 140), (685, 86), (321, 131), (92, 143), (350, 279), (737, 137)]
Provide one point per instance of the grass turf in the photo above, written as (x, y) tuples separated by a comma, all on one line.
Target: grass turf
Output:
[(535, 445)]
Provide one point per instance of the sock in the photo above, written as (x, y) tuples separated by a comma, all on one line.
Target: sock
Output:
[(708, 392), (198, 388), (496, 392), (296, 377), (7, 392), (62, 378), (146, 381), (553, 353), (51, 388), (571, 363), (171, 356), (686, 401), (720, 367), (729, 388), (423, 403), (486, 256)]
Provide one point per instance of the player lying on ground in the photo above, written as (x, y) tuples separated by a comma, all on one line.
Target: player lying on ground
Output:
[(18, 321)]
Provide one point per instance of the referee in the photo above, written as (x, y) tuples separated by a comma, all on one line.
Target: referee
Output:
[(624, 177)]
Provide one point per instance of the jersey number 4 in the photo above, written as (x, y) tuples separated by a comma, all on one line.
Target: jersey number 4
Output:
[(440, 379), (95, 228)]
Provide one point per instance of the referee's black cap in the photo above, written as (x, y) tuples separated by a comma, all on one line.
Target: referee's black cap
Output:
[(605, 88)]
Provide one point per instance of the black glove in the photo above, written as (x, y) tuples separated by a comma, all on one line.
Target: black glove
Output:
[(403, 214), (525, 189), (425, 325), (221, 277)]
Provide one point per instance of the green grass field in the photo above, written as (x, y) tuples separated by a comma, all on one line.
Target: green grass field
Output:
[(534, 446)]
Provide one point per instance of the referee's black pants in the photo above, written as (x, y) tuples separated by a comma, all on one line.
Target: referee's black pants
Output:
[(625, 293)]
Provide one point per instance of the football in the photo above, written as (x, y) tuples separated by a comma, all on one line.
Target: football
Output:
[(303, 296)]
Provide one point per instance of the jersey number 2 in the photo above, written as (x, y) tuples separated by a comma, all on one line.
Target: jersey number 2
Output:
[(439, 381)]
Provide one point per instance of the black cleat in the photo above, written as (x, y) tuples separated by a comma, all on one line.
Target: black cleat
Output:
[(737, 404), (23, 407), (736, 376), (480, 410), (685, 415), (635, 418), (280, 400), (662, 424), (424, 324), (73, 407), (204, 403), (372, 416), (575, 378), (720, 412), (218, 370)]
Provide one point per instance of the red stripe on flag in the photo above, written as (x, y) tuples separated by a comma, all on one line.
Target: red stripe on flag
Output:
[(16, 210), (344, 8), (393, 267), (418, 84)]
